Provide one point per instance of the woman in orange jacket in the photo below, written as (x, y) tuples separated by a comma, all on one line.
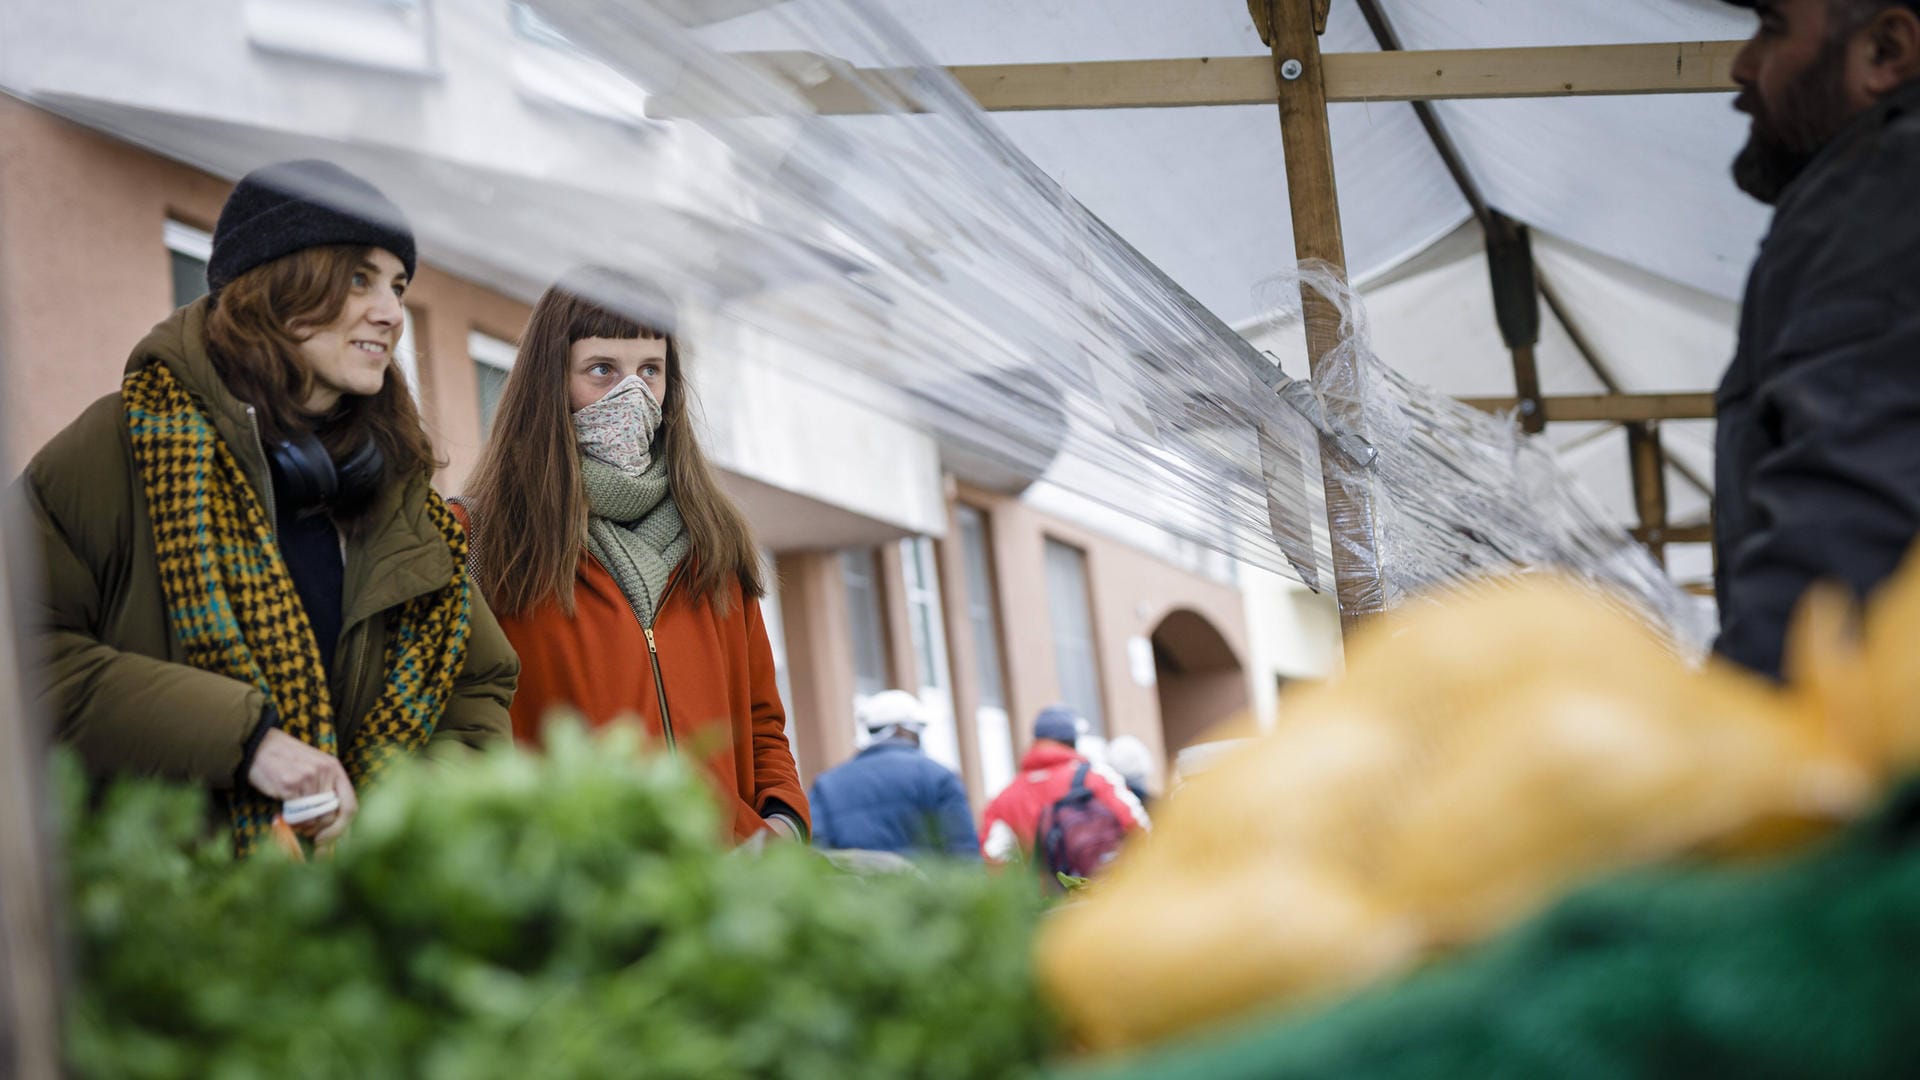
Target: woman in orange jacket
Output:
[(625, 578)]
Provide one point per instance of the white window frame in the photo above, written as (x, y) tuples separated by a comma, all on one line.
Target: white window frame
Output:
[(406, 355), (993, 727), (184, 239), (926, 622), (493, 352), (550, 70), (1093, 706), (869, 566), (922, 578), (387, 35)]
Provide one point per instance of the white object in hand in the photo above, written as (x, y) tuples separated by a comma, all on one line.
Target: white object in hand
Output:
[(309, 808)]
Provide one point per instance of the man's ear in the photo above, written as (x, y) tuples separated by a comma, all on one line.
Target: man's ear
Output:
[(1894, 36)]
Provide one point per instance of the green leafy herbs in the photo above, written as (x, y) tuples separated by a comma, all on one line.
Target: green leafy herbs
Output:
[(569, 914)]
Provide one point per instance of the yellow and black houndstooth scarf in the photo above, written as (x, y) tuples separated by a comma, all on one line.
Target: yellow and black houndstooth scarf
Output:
[(232, 603)]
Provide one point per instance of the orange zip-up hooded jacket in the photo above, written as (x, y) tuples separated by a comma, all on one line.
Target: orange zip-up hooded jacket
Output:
[(716, 677)]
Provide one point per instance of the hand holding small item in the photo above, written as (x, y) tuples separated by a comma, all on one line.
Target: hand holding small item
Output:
[(286, 768)]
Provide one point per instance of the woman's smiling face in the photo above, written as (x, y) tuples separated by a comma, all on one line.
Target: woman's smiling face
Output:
[(351, 354)]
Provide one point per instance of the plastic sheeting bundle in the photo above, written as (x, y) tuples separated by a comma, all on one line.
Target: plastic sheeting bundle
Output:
[(1454, 493)]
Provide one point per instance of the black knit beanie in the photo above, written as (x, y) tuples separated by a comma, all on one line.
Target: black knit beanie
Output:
[(279, 209)]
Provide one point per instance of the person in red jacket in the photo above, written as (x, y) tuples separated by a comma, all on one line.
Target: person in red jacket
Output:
[(625, 578), (1046, 774)]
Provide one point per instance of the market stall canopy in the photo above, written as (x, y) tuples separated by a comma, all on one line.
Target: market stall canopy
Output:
[(1638, 227), (1107, 251)]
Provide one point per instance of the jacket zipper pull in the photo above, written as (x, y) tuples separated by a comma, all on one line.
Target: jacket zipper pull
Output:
[(260, 443), (659, 687)]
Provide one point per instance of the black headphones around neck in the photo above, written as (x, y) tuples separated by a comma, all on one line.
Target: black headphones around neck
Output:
[(313, 481)]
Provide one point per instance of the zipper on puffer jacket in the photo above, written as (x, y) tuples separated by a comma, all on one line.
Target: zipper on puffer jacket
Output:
[(260, 443)]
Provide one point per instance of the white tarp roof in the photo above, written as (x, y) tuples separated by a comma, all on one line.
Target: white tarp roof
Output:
[(1637, 223)]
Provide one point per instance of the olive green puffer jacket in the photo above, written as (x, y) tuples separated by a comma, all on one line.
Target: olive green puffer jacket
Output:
[(114, 678)]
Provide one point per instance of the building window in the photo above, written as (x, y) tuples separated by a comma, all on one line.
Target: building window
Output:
[(548, 69), (868, 621), (189, 250), (1073, 641), (392, 35), (993, 727), (925, 618), (492, 359), (923, 611), (406, 355), (983, 616)]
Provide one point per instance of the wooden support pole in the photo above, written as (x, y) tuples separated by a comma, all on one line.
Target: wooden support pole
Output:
[(1649, 485), (1697, 67), (29, 974), (1314, 202), (1615, 408)]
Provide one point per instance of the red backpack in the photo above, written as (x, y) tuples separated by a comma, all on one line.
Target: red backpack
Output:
[(1077, 836)]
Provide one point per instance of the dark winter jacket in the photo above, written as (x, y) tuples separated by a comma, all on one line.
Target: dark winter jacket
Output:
[(892, 797), (120, 691), (1817, 473)]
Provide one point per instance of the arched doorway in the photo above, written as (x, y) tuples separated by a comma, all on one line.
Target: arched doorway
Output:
[(1201, 683)]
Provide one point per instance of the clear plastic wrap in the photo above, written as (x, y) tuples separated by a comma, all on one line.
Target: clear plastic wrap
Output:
[(913, 251), (916, 248), (1454, 494)]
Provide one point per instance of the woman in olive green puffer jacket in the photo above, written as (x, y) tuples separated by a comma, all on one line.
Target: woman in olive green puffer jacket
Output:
[(249, 581)]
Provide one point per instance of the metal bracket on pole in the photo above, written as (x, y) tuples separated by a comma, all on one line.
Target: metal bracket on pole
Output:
[(1298, 393)]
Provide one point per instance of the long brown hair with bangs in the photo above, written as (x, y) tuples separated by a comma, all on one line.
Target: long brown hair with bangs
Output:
[(530, 506), (254, 328)]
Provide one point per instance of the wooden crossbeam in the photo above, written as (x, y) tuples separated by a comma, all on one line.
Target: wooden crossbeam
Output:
[(1617, 408), (1693, 67), (1701, 533)]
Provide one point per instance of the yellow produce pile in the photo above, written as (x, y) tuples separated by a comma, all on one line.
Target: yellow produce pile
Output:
[(1479, 756)]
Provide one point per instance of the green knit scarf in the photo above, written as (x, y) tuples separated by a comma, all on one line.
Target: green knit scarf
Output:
[(233, 607), (635, 530)]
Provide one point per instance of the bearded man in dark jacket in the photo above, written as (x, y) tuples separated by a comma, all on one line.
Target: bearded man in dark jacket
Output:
[(1817, 471)]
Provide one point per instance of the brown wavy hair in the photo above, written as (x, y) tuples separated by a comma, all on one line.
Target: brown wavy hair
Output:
[(255, 324), (528, 481)]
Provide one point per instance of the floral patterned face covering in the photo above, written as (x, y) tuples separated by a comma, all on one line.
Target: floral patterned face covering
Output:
[(618, 429)]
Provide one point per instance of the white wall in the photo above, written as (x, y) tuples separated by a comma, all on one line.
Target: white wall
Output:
[(779, 416)]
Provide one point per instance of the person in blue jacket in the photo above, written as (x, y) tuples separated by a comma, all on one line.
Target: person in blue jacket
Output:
[(892, 797)]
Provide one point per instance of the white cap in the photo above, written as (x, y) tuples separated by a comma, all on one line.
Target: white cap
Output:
[(893, 708), (1130, 758)]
